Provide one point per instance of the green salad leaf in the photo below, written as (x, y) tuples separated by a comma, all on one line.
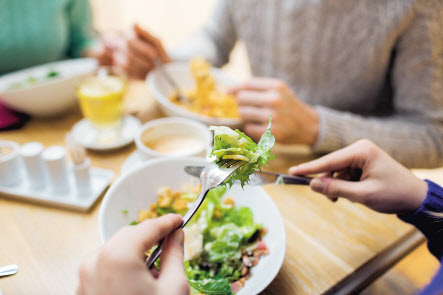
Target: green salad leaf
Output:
[(234, 144), (227, 231), (219, 286)]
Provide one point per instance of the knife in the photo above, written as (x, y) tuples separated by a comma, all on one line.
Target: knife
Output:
[(8, 270), (261, 177)]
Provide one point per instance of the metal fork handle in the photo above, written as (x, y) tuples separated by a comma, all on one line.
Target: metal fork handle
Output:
[(159, 65), (158, 251)]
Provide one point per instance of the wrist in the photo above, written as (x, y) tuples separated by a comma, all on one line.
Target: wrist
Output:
[(313, 126), (418, 195)]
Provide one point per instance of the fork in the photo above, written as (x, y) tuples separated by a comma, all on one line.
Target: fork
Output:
[(212, 176), (160, 66)]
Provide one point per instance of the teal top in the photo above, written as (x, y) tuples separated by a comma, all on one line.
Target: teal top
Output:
[(35, 32)]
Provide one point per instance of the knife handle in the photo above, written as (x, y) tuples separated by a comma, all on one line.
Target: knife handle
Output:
[(293, 179)]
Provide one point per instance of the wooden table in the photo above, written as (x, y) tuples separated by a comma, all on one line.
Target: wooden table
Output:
[(331, 248)]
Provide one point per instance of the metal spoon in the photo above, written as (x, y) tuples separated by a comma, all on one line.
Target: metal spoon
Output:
[(8, 270)]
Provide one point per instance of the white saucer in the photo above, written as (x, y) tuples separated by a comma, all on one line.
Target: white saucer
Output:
[(134, 160), (85, 135)]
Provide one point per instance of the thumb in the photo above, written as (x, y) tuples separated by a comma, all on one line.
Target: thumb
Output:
[(335, 188), (154, 41)]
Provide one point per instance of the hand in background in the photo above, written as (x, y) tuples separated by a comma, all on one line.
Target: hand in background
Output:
[(119, 266), (135, 53), (293, 121), (385, 185)]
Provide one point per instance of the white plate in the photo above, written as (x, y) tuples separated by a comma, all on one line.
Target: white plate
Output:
[(161, 90), (137, 189), (47, 98), (84, 134)]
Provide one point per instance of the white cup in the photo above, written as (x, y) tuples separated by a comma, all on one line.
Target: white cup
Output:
[(173, 137), (10, 172)]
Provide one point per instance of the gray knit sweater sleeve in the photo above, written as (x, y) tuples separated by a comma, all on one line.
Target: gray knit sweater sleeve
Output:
[(214, 42), (414, 134)]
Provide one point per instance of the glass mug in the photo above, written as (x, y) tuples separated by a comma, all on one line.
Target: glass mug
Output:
[(101, 101)]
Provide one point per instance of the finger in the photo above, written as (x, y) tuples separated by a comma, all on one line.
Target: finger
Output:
[(344, 174), (335, 188), (139, 61), (153, 41), (255, 131), (120, 60), (154, 272), (261, 84), (172, 258), (146, 234), (138, 67), (233, 90), (336, 161), (259, 98), (86, 272), (253, 114), (142, 49), (325, 174)]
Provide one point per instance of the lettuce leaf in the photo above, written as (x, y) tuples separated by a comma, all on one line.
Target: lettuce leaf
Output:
[(220, 286), (234, 144), (227, 231)]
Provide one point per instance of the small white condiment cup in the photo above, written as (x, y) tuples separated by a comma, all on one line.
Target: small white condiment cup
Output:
[(174, 127), (31, 154), (54, 158), (10, 172)]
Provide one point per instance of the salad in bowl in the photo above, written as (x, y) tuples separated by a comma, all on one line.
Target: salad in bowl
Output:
[(235, 243)]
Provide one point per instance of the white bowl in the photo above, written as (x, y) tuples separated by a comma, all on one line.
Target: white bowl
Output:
[(137, 189), (171, 127), (162, 90), (46, 98)]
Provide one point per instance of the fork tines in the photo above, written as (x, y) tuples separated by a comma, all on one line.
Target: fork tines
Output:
[(229, 163)]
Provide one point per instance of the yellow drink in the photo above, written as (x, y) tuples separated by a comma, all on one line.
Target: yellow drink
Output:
[(101, 100)]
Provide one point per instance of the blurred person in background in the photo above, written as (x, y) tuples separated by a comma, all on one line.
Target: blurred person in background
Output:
[(38, 32), (336, 71)]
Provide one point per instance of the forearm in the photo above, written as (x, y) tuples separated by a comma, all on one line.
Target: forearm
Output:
[(429, 219), (414, 144)]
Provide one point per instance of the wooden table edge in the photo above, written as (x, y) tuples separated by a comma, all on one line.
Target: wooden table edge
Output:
[(377, 266)]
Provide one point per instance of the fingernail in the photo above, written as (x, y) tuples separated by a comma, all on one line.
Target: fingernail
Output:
[(317, 185), (179, 236)]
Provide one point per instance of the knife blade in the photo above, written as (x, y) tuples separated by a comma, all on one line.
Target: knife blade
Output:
[(261, 177)]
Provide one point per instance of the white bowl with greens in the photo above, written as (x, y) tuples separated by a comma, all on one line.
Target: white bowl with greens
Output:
[(45, 90), (254, 209)]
